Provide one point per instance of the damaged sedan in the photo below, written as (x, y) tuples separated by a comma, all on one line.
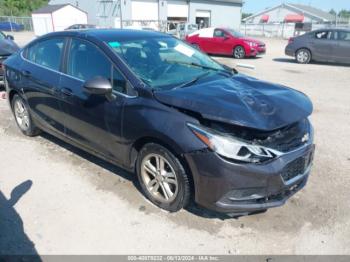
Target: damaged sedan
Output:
[(190, 128)]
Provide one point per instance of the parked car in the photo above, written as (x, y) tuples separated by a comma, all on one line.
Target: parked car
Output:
[(80, 27), (325, 45), (181, 30), (190, 128), (225, 41), (139, 27), (11, 26), (7, 48)]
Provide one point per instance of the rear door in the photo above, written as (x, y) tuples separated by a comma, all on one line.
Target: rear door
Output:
[(323, 45), (92, 121), (342, 51), (41, 76)]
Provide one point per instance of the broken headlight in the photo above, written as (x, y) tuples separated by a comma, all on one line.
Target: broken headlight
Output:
[(231, 147)]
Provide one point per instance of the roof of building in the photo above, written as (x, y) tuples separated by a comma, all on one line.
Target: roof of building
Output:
[(52, 8), (304, 9), (230, 1), (314, 11)]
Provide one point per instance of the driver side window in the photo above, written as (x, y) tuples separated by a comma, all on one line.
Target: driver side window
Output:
[(86, 61), (219, 33)]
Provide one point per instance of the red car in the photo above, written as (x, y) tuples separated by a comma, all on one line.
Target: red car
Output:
[(225, 41)]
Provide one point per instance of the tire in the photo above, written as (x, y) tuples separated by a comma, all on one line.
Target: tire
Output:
[(169, 180), (303, 56), (239, 52), (22, 116)]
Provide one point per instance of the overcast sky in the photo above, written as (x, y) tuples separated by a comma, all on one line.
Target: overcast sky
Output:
[(252, 6)]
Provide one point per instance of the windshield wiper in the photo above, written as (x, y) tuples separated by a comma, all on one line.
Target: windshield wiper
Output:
[(191, 82), (200, 66)]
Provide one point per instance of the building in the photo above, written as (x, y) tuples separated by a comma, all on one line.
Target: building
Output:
[(109, 13), (53, 18), (291, 13)]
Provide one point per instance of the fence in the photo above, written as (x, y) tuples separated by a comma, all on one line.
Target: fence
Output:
[(280, 30), (26, 22)]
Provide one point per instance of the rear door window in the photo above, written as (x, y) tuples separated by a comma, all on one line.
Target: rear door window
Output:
[(47, 53)]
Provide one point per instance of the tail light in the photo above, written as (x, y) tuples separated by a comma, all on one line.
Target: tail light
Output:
[(291, 40)]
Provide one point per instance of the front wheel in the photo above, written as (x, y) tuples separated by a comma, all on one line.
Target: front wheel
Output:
[(163, 178), (23, 118), (303, 56), (239, 52)]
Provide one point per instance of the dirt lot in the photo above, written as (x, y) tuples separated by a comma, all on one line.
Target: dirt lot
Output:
[(74, 203)]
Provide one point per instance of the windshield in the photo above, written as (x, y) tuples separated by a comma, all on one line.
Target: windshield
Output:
[(2, 36), (164, 62), (235, 33)]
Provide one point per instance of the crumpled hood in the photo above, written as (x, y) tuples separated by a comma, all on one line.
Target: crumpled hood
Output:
[(8, 47), (242, 101)]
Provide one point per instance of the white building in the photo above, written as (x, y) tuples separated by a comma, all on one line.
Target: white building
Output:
[(106, 13), (291, 13), (53, 18)]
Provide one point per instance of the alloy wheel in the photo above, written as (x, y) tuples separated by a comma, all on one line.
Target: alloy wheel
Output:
[(239, 52), (159, 178), (303, 56), (21, 115)]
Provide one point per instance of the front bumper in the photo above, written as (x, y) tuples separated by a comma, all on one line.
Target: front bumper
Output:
[(254, 51), (228, 187)]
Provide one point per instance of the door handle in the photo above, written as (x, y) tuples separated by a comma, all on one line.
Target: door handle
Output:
[(67, 91), (26, 73)]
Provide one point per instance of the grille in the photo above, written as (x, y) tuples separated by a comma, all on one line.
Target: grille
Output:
[(296, 167)]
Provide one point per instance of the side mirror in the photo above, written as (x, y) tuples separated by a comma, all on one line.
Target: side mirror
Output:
[(10, 37), (99, 86), (226, 37)]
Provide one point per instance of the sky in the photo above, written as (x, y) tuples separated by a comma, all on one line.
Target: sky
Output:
[(252, 6)]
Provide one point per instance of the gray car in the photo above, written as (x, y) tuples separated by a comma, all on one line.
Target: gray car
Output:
[(325, 45)]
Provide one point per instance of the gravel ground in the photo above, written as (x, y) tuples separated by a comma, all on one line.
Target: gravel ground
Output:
[(65, 201)]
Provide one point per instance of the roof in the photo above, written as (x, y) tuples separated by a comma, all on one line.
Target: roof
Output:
[(304, 9), (230, 1), (109, 35), (52, 8), (314, 11)]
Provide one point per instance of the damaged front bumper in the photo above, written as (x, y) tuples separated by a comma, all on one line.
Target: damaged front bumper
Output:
[(241, 189)]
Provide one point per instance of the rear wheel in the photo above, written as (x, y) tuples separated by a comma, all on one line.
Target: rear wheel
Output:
[(162, 178), (303, 56), (23, 118), (239, 52)]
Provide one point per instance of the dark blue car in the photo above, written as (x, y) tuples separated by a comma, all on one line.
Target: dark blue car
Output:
[(11, 26), (190, 128)]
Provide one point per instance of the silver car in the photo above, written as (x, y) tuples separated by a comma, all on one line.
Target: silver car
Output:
[(325, 45)]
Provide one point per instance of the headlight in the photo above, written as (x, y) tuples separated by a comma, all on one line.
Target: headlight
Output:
[(251, 44), (231, 147)]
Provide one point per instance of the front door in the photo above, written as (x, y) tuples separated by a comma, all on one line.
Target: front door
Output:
[(323, 45), (93, 121), (342, 51)]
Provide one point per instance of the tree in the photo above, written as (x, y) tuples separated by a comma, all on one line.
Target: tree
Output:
[(333, 12), (344, 14), (20, 7), (245, 15)]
